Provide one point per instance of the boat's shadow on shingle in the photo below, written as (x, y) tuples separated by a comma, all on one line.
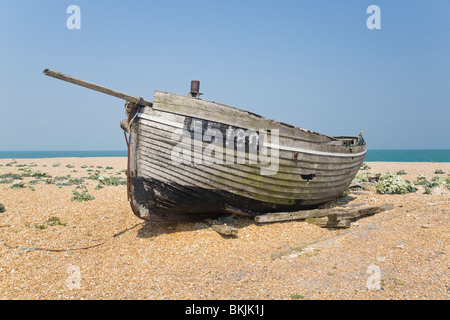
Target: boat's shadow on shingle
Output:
[(154, 229)]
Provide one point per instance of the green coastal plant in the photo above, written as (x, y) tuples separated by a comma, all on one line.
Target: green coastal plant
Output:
[(390, 183), (363, 177), (2, 208), (344, 193), (111, 181), (439, 171), (422, 180), (18, 185), (364, 166), (54, 221), (83, 196), (10, 175)]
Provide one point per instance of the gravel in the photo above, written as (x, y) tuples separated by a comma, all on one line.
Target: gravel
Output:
[(100, 250)]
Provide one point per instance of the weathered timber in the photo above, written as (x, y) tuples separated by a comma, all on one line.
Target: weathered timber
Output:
[(297, 215), (359, 213), (225, 230), (326, 223), (96, 87), (331, 213)]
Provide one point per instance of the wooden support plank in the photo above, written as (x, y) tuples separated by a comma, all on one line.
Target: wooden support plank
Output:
[(331, 213), (297, 215), (359, 213)]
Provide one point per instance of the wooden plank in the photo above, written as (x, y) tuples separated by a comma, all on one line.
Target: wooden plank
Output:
[(213, 111), (359, 213), (288, 142), (156, 154), (296, 215), (309, 163), (332, 214), (255, 183), (96, 87)]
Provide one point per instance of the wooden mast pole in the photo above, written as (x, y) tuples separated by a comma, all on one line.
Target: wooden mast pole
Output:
[(96, 87)]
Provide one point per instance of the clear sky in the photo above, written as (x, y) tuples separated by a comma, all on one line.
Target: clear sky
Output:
[(314, 64)]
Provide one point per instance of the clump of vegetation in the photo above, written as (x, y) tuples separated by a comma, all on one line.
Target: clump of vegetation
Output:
[(40, 226), (61, 178), (54, 221), (95, 175), (391, 183), (83, 166), (9, 164), (109, 168), (56, 164), (401, 172), (363, 177), (364, 166), (111, 181), (70, 166), (14, 176), (83, 196), (439, 171), (75, 181), (438, 181), (18, 185), (70, 181), (297, 296), (38, 174), (344, 193), (2, 208), (422, 180)]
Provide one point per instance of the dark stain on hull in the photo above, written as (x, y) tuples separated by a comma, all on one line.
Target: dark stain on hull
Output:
[(155, 200)]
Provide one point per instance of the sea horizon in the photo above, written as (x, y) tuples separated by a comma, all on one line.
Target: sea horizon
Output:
[(382, 155)]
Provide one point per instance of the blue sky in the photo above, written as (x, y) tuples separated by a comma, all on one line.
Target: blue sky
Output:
[(313, 64)]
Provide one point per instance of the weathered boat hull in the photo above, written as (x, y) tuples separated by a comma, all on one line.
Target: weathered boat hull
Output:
[(190, 158), (284, 168)]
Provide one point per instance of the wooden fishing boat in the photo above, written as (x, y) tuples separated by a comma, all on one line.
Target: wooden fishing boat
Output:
[(190, 158)]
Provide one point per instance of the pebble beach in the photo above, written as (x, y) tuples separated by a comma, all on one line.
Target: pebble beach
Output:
[(66, 235)]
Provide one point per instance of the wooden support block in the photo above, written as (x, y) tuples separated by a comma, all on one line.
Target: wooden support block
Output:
[(359, 213), (297, 215), (331, 213), (225, 230)]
